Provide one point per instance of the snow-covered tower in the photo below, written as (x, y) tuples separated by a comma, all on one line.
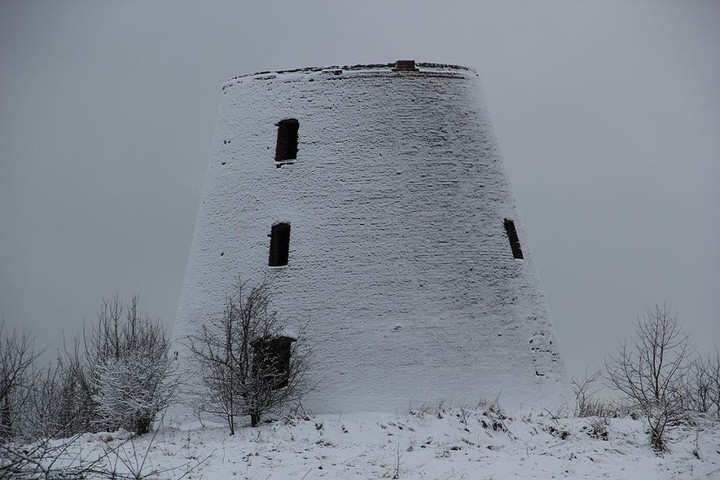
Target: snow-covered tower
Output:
[(374, 201)]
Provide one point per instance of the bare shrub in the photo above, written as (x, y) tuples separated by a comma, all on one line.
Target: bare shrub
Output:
[(56, 406), (66, 394), (649, 371), (130, 367), (16, 360), (703, 385), (117, 375), (249, 363), (588, 404), (585, 390), (132, 390), (713, 373)]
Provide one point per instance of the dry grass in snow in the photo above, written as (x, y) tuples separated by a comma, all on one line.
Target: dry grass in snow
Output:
[(434, 444)]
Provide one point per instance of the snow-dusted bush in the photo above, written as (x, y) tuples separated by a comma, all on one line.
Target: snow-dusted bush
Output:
[(128, 358), (117, 375), (133, 389), (250, 364)]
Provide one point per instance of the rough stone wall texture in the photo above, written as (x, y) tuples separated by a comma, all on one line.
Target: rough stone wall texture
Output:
[(399, 258)]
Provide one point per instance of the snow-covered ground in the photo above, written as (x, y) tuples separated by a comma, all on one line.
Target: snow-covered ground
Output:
[(432, 444)]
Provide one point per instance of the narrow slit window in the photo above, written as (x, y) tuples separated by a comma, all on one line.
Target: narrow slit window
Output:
[(287, 140), (279, 244), (513, 237)]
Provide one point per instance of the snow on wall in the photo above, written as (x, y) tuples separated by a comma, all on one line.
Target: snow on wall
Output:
[(399, 258)]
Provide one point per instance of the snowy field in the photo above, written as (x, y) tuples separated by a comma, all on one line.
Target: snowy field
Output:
[(446, 444)]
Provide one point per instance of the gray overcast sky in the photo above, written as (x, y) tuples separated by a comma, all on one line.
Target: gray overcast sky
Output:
[(607, 113)]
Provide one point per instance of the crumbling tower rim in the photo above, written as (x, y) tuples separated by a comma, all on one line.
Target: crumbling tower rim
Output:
[(398, 68)]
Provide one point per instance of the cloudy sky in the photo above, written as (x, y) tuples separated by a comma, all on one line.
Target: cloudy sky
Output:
[(607, 114)]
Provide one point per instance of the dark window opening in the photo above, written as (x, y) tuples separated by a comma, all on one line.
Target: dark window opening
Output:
[(513, 237), (271, 360), (279, 244), (287, 140)]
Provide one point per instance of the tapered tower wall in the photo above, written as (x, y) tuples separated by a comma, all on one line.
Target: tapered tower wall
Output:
[(399, 258)]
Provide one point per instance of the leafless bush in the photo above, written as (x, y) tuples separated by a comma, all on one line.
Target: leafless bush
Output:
[(713, 372), (586, 402), (57, 406), (650, 371), (133, 389), (114, 376), (128, 358), (249, 363), (16, 360), (110, 377), (703, 385), (69, 386)]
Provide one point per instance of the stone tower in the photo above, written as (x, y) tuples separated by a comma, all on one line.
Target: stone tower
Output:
[(374, 202)]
